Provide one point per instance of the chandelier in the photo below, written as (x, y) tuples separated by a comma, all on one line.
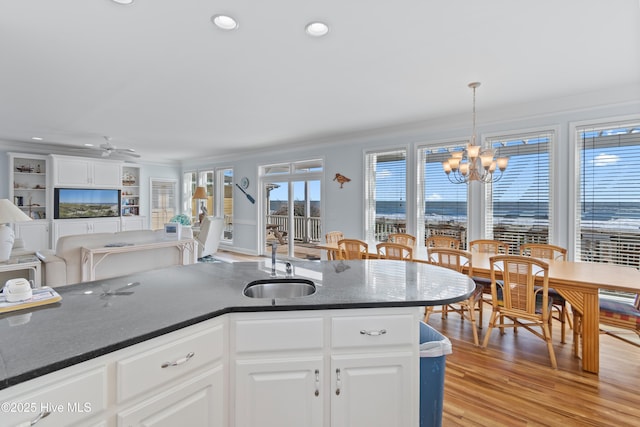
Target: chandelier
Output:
[(474, 163)]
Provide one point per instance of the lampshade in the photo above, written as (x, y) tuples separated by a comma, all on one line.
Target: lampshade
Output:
[(201, 193), (10, 213)]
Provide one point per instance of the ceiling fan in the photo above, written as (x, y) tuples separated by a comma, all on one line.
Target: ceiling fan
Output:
[(108, 149)]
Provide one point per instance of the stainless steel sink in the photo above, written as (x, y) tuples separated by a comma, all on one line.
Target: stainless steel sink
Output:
[(280, 288)]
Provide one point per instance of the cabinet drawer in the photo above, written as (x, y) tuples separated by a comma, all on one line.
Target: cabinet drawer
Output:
[(159, 365), (279, 335), (69, 399), (367, 331)]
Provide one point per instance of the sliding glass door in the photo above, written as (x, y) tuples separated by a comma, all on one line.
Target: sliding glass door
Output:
[(292, 216)]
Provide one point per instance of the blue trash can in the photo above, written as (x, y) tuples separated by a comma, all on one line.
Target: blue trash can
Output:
[(433, 350)]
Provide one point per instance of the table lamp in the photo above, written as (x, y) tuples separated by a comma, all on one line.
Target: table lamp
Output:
[(200, 194), (9, 213)]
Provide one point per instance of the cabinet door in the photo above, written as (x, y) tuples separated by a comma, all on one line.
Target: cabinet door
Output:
[(373, 390), (279, 393), (71, 172), (111, 225), (106, 175), (35, 234), (198, 402)]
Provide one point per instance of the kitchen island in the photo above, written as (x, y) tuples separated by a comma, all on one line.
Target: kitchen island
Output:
[(102, 332)]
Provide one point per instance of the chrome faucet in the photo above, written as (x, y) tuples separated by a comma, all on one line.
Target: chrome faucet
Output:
[(289, 269)]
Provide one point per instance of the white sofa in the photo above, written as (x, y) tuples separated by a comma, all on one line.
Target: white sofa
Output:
[(209, 236), (64, 265)]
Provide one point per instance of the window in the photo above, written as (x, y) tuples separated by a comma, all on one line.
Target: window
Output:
[(163, 202), (386, 194), (444, 205), (518, 206), (608, 200)]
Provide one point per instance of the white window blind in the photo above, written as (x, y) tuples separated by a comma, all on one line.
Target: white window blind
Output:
[(519, 205), (442, 207), (608, 214), (386, 194)]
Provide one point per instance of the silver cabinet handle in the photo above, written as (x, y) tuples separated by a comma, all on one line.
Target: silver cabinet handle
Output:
[(41, 415), (179, 361), (374, 333), (338, 382), (317, 393)]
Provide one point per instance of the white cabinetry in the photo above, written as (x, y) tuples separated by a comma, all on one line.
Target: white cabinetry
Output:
[(348, 368), (65, 227), (181, 382), (72, 172), (34, 234), (149, 384), (63, 398), (279, 364), (133, 223)]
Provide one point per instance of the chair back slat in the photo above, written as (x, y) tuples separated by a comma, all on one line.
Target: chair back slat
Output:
[(453, 259), (442, 242), (397, 251), (543, 251), (353, 249), (495, 247), (403, 239)]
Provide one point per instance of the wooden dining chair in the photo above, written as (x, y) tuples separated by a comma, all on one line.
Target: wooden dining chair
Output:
[(517, 296), (397, 251), (620, 315), (353, 249), (458, 260), (487, 246), (333, 237), (403, 239), (555, 253), (442, 242)]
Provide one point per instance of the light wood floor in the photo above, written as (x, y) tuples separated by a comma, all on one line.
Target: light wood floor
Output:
[(511, 382)]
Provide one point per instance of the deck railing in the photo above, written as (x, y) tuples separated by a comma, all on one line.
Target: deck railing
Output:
[(306, 229)]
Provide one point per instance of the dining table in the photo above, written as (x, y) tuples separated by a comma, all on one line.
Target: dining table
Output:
[(578, 282)]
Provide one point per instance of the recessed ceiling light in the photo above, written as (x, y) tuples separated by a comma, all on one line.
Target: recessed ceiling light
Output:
[(88, 145), (224, 22), (36, 138), (317, 29), (122, 1)]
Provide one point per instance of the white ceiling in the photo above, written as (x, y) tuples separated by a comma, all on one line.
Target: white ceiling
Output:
[(158, 77)]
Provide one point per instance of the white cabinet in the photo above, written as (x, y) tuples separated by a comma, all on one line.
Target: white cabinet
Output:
[(133, 223), (66, 227), (34, 234), (63, 398), (182, 381), (373, 369), (28, 184), (280, 392), (148, 384), (71, 171), (372, 390), (196, 402), (279, 365), (347, 368)]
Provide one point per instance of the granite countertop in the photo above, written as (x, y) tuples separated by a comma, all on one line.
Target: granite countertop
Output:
[(99, 317)]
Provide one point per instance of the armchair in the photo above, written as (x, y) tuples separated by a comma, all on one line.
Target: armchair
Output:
[(208, 238)]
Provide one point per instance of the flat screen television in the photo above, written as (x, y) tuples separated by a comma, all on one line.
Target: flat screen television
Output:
[(85, 203)]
